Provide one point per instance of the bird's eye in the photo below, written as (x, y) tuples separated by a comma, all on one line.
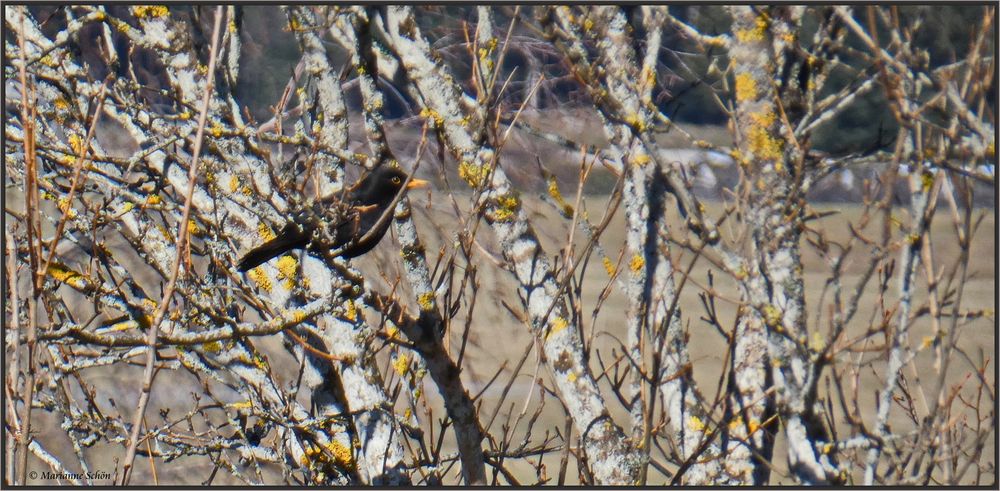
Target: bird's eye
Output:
[(395, 180)]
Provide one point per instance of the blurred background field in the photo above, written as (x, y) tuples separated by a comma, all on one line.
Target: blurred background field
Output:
[(498, 340)]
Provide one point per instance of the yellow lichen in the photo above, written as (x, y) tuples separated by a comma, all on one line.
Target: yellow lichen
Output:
[(298, 315), (65, 207), (148, 306), (558, 197), (260, 278), (165, 232), (817, 343), (122, 326), (571, 376), (746, 87), (307, 454), (641, 159), (756, 33), (501, 215), (401, 365), (193, 228), (746, 35), (926, 342), (342, 455), (764, 118), (352, 311), (241, 405), (636, 263), (761, 23), (926, 181), (64, 274), (609, 266), (558, 324), (772, 316), (76, 143), (121, 26), (636, 122), (507, 206), (61, 104), (472, 174), (428, 113), (264, 232), (695, 424), (426, 301), (260, 362), (648, 77), (392, 332), (212, 346), (150, 11), (763, 144), (287, 266), (153, 199), (739, 423)]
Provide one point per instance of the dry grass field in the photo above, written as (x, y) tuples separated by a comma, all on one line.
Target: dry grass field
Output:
[(498, 340)]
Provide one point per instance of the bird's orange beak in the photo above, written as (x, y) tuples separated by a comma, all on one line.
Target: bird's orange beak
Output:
[(417, 183)]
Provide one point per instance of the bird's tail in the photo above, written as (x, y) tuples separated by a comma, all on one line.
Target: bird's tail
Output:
[(271, 249)]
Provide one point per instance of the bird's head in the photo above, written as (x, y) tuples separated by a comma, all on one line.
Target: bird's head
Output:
[(382, 185)]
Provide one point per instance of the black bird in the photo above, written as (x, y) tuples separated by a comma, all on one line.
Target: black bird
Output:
[(331, 224)]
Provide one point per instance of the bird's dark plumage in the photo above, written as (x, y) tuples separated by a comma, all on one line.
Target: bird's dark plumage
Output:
[(332, 224)]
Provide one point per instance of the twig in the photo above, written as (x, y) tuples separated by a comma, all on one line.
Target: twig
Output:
[(34, 253)]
